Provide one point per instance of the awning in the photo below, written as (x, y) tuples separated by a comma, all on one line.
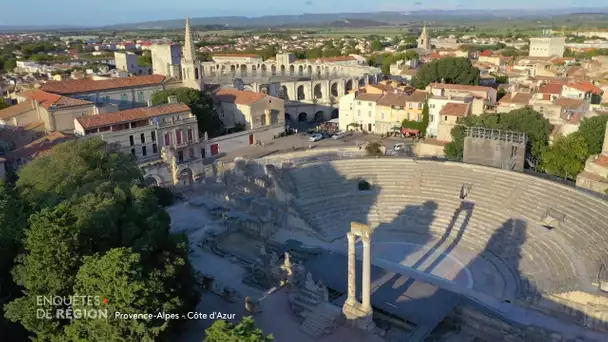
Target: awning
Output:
[(409, 131)]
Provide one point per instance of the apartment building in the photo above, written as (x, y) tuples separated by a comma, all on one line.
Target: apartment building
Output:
[(119, 93), (380, 112), (448, 118), (547, 46), (54, 112), (164, 140)]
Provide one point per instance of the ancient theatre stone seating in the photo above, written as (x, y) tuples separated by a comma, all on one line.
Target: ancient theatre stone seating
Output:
[(500, 215)]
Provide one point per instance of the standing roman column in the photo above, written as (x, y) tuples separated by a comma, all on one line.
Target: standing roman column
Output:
[(366, 280), (352, 282)]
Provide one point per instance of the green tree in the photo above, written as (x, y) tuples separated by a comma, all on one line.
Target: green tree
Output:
[(10, 64), (425, 119), (245, 330), (523, 120), (592, 130), (452, 70), (87, 199), (201, 105), (3, 103), (376, 45), (144, 60), (566, 156), (13, 220), (131, 285), (314, 53)]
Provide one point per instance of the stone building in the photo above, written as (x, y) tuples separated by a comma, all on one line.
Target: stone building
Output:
[(595, 175), (547, 46), (127, 61), (249, 109), (164, 140), (424, 41), (54, 112), (168, 60)]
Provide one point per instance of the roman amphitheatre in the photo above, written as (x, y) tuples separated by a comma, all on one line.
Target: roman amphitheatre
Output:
[(457, 252)]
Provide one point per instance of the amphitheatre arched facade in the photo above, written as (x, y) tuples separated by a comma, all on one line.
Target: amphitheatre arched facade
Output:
[(479, 232), (310, 89)]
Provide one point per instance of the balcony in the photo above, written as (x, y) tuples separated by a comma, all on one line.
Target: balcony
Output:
[(172, 123)]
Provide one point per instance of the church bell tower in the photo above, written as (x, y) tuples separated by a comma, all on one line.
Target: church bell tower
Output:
[(192, 70), (424, 41)]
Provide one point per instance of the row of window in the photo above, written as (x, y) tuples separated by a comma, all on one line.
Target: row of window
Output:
[(142, 138), (144, 150), (179, 137), (124, 98)]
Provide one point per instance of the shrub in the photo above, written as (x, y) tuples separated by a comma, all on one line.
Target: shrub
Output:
[(165, 196), (374, 149), (364, 185)]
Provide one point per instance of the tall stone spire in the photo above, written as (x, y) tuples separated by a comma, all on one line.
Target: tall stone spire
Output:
[(189, 53), (424, 41)]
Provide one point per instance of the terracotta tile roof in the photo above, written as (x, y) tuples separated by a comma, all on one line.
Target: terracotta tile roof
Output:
[(239, 96), (47, 99), (86, 85), (518, 98), (551, 88), (569, 103), (237, 55), (460, 87), (417, 96), (39, 146), (602, 160), (585, 87), (486, 53), (455, 109), (15, 110), (101, 120), (391, 99), (368, 97)]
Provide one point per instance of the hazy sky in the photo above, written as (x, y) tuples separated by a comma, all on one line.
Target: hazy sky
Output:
[(91, 13)]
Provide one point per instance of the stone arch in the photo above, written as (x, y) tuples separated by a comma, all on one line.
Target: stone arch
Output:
[(318, 70), (243, 69), (254, 70), (282, 70), (310, 70), (335, 113), (362, 82), (223, 70), (301, 94), (349, 86), (334, 89), (319, 116), (287, 117), (233, 69), (185, 177), (284, 93), (263, 67), (326, 70), (292, 69), (302, 117), (152, 180), (318, 92), (273, 70), (301, 70), (196, 76)]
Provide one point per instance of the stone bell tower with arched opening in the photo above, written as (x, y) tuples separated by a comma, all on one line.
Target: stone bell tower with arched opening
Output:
[(192, 70)]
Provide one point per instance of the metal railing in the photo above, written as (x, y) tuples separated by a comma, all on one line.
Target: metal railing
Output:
[(496, 134)]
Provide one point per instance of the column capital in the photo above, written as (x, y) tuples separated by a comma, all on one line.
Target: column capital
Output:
[(351, 237), (366, 240)]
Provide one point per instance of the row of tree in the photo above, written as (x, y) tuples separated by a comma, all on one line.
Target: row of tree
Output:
[(564, 158)]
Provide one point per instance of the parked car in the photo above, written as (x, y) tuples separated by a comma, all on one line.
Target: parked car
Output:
[(338, 135), (398, 147), (316, 137)]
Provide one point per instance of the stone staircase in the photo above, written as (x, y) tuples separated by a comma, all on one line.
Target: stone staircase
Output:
[(322, 320)]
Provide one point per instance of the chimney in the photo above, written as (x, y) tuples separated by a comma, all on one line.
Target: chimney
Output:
[(150, 103), (172, 99)]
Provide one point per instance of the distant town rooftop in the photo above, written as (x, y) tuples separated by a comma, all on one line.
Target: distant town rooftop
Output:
[(86, 86)]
